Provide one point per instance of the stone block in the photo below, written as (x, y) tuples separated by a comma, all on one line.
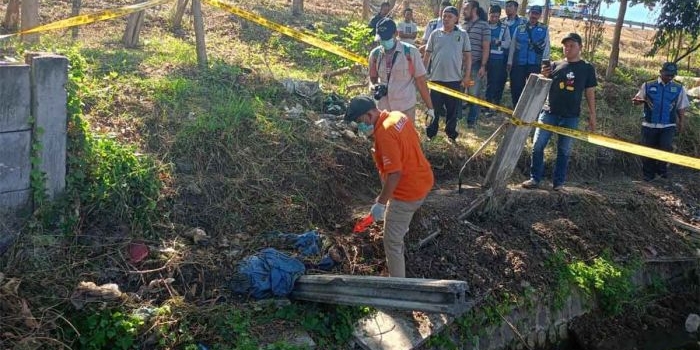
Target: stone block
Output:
[(399, 330), (48, 77), (15, 98), (15, 200), (15, 163)]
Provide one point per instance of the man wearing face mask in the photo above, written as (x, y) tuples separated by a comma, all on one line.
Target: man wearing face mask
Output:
[(405, 173), (396, 71)]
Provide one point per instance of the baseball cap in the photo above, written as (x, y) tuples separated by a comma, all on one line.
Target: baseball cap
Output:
[(572, 36), (386, 29), (358, 106), (536, 9), (512, 2), (451, 9), (669, 68), (495, 9)]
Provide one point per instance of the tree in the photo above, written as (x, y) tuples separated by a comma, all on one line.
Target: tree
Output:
[(615, 51), (678, 28)]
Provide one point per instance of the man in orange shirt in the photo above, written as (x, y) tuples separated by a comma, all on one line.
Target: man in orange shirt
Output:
[(405, 173)]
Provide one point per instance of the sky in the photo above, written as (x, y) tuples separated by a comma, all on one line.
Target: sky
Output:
[(637, 13)]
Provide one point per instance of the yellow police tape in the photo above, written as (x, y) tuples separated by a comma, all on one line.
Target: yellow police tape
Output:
[(89, 18), (312, 40)]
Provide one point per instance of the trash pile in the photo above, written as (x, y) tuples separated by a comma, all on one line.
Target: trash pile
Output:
[(272, 273)]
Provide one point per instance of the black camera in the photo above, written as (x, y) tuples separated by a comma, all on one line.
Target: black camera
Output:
[(379, 91)]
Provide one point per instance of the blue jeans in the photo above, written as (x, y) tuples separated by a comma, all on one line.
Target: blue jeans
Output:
[(564, 146), (495, 80), (450, 104), (659, 138), (475, 91), (518, 78)]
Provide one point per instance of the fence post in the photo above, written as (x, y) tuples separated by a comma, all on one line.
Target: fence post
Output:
[(199, 34), (12, 15), (49, 75), (297, 7), (511, 147)]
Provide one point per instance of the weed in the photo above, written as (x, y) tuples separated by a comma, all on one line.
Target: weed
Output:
[(353, 37), (328, 325), (107, 329), (608, 282), (562, 279)]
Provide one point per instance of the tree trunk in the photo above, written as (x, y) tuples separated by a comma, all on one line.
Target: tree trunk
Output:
[(365, 10), (615, 52), (133, 27), (547, 5), (180, 8), (75, 10), (11, 22), (523, 8), (29, 15), (297, 7), (199, 34)]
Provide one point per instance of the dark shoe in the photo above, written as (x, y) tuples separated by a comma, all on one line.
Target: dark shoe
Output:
[(648, 178), (530, 184), (664, 175), (558, 188), (471, 125)]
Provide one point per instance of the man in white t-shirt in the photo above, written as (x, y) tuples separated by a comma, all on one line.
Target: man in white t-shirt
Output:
[(408, 30)]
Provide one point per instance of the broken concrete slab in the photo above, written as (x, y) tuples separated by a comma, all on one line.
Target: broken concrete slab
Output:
[(398, 330)]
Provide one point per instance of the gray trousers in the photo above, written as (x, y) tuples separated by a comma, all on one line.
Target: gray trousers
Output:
[(396, 221)]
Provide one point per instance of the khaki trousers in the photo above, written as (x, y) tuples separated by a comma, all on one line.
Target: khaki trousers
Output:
[(411, 114), (396, 221)]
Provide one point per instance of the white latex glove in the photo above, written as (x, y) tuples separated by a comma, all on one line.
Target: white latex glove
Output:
[(377, 211), (429, 117)]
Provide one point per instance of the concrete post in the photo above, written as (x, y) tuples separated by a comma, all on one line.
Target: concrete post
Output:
[(15, 137), (49, 76), (511, 147)]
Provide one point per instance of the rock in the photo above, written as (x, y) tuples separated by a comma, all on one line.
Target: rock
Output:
[(692, 323), (349, 134), (323, 124), (198, 236)]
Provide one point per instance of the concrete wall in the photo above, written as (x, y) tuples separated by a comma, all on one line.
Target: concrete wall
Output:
[(31, 91)]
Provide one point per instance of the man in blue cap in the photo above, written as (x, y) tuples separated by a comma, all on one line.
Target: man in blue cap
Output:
[(529, 47), (665, 102), (396, 71)]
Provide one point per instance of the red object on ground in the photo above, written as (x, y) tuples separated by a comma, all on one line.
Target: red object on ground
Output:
[(363, 224), (137, 252)]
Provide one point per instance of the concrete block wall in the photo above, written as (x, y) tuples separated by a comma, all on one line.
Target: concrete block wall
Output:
[(32, 91), (541, 326)]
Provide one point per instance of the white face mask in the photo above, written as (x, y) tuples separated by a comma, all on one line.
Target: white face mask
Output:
[(387, 44)]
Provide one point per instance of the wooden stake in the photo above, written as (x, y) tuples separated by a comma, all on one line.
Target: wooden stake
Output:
[(12, 16), (297, 7), (75, 10)]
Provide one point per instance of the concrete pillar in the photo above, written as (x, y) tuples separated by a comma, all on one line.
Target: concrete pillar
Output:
[(15, 137), (49, 76)]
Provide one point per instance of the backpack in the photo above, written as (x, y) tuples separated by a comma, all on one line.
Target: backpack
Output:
[(377, 54)]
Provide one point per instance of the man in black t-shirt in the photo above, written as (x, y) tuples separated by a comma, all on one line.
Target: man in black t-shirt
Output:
[(571, 78), (383, 12)]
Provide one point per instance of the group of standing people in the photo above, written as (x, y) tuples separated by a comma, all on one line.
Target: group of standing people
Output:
[(484, 51)]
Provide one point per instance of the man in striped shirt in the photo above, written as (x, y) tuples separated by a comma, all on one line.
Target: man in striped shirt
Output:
[(480, 40)]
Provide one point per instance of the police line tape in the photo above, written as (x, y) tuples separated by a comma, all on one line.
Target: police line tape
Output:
[(89, 18), (596, 139)]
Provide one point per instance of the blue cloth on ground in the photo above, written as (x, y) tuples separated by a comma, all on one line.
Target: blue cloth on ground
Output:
[(307, 242), (271, 273)]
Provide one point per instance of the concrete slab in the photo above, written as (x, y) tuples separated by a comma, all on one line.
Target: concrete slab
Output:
[(14, 97), (15, 162), (13, 200), (398, 330)]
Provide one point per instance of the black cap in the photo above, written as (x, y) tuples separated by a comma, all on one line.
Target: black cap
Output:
[(358, 106), (572, 36), (386, 28), (669, 68), (536, 9), (495, 9), (512, 2), (451, 9)]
